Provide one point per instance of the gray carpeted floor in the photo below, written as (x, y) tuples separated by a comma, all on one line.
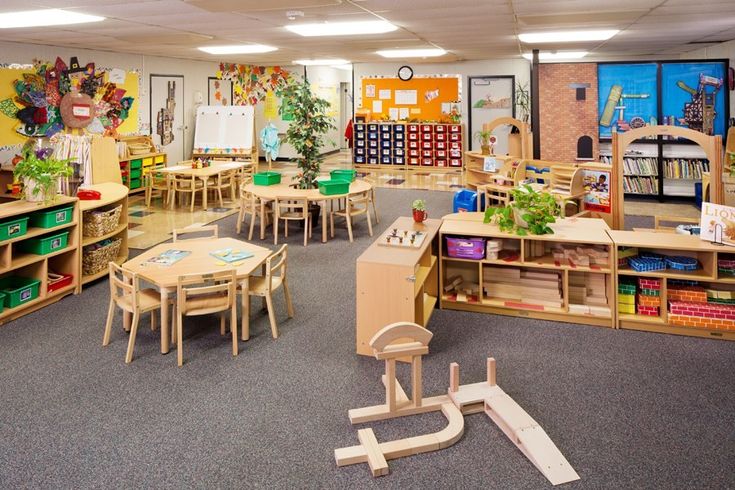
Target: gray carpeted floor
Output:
[(628, 409)]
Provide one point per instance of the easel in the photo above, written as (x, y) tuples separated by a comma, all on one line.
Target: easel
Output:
[(460, 400)]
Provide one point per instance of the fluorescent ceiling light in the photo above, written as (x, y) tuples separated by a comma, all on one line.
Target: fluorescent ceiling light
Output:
[(411, 53), (238, 49), (46, 17), (567, 36), (329, 61), (342, 28), (557, 55)]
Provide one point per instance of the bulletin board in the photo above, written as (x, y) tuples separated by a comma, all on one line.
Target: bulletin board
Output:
[(430, 93), (132, 89)]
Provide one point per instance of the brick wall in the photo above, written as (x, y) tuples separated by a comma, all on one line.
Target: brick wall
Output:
[(564, 119)]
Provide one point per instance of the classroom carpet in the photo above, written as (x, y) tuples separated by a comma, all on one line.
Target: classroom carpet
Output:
[(627, 409)]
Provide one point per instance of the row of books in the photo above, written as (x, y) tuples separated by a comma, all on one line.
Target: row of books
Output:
[(685, 168), (640, 166), (640, 185)]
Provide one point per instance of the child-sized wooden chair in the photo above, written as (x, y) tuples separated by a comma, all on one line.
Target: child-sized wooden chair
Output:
[(182, 184), (223, 181), (263, 286), (125, 293), (251, 205), (291, 209), (160, 183), (202, 232), (356, 204), (204, 294)]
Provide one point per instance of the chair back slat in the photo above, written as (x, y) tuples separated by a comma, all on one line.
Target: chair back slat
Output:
[(203, 293), (123, 287)]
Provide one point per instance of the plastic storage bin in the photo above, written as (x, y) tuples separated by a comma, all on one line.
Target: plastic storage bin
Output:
[(465, 201), (332, 187), (13, 228), (267, 178), (45, 244), (698, 194), (348, 175), (466, 248), (58, 281), (50, 218), (19, 290), (134, 183)]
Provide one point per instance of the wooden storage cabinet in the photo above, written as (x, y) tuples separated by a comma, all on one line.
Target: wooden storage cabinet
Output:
[(112, 195), (527, 279), (15, 262), (133, 169), (396, 284)]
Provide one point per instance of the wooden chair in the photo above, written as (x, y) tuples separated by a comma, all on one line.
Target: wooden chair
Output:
[(372, 203), (223, 181), (125, 293), (356, 204), (242, 175), (182, 184), (291, 209), (250, 205), (204, 294), (275, 277), (203, 233), (157, 182)]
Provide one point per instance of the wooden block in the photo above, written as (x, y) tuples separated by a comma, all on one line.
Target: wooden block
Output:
[(461, 297), (390, 387), (545, 456), (424, 444), (416, 381), (346, 456), (453, 377), (375, 458), (491, 371), (452, 282), (401, 350)]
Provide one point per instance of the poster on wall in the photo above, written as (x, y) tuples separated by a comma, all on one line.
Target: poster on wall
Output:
[(597, 186), (491, 98), (220, 92), (628, 97), (693, 96)]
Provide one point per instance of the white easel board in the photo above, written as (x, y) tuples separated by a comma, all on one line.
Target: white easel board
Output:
[(224, 129)]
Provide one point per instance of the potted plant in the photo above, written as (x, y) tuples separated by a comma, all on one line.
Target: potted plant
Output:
[(306, 130), (528, 210), (40, 173), (419, 211), (487, 140)]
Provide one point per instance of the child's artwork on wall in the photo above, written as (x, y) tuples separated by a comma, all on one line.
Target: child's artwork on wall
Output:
[(220, 92), (251, 83), (628, 97), (693, 96)]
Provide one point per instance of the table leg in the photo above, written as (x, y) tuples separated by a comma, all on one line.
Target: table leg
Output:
[(165, 340), (262, 219), (206, 191), (324, 222), (245, 325)]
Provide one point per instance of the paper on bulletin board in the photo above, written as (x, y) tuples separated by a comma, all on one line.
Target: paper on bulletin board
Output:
[(403, 113), (270, 108), (384, 94), (406, 97), (377, 106), (116, 75), (132, 89), (415, 110), (393, 114), (370, 91)]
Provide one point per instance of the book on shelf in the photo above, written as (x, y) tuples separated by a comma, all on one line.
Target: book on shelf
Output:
[(640, 166), (640, 185), (685, 168)]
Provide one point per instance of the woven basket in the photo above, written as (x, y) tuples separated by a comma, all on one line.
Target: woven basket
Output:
[(94, 261), (98, 223), (139, 148)]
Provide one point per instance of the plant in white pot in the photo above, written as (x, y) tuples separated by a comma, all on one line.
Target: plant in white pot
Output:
[(40, 172)]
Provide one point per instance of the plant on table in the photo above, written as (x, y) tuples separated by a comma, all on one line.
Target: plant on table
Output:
[(528, 210), (419, 211), (40, 173), (306, 130), (487, 141)]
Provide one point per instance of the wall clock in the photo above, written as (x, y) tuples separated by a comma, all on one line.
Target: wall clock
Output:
[(405, 73)]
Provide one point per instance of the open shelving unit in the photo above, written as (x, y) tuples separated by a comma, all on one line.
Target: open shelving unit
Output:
[(15, 262), (396, 284)]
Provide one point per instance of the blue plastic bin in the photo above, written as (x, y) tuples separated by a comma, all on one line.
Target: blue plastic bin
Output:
[(466, 201), (698, 194)]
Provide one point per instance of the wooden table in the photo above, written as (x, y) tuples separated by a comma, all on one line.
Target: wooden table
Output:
[(198, 262), (202, 173), (283, 190)]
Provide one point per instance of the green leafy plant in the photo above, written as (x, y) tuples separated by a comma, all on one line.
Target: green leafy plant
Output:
[(43, 169), (419, 205), (535, 209), (306, 130), (523, 101), (483, 137)]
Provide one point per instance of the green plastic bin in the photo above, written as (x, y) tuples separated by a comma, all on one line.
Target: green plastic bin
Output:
[(136, 173), (348, 175), (134, 183), (19, 290), (13, 228), (137, 163), (2, 301), (50, 218), (45, 244), (332, 187), (267, 178)]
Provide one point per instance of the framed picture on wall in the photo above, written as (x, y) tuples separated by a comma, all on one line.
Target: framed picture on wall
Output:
[(490, 97), (220, 92), (628, 96)]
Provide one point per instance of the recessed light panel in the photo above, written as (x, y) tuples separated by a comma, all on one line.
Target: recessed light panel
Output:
[(46, 17), (238, 49), (342, 28), (567, 36)]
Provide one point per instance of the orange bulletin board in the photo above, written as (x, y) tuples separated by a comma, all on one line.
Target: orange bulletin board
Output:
[(431, 93)]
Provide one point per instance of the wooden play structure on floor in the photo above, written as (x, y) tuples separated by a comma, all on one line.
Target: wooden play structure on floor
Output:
[(483, 397)]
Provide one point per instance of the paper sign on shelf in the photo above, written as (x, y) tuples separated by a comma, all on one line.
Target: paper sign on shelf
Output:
[(717, 223), (490, 164)]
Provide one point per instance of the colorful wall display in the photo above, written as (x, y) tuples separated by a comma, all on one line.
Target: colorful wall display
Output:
[(693, 96), (251, 83), (422, 98), (628, 96)]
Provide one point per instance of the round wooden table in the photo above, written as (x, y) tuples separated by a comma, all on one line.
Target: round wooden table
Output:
[(283, 190)]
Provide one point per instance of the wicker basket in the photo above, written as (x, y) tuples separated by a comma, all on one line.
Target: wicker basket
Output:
[(94, 261), (101, 222), (139, 148)]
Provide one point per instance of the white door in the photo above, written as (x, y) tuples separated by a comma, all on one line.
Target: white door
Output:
[(167, 115)]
